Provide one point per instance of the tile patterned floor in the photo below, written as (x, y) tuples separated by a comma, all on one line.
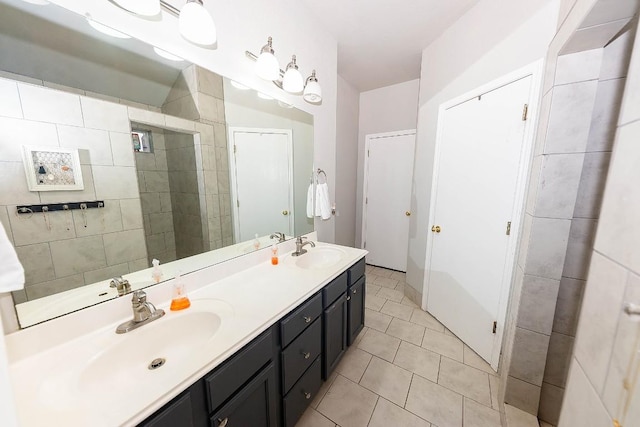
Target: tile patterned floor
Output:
[(406, 369)]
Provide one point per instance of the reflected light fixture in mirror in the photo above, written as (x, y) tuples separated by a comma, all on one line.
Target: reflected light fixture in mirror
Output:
[(265, 96), (166, 55), (140, 7), (106, 30), (292, 81), (267, 66), (239, 86), (312, 90), (196, 24)]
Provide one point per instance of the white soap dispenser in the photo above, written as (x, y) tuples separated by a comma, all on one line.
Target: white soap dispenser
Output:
[(156, 273), (256, 243)]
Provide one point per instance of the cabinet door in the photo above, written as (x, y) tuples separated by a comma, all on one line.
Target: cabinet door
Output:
[(355, 310), (254, 405), (334, 335), (175, 413)]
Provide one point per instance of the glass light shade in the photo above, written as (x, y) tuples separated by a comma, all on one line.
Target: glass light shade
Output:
[(140, 7), (196, 24), (312, 92), (166, 55), (107, 30), (267, 66), (293, 81)]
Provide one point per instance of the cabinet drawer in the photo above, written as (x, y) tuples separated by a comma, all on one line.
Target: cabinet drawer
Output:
[(300, 319), (356, 271), (302, 394), (333, 290), (225, 380), (300, 354)]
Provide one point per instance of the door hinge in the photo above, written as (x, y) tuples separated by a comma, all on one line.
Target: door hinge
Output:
[(366, 200), (235, 148), (509, 228), (368, 153), (365, 245), (495, 327), (238, 203), (525, 110)]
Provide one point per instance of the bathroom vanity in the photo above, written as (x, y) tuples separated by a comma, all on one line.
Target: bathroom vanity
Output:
[(252, 350), (272, 380)]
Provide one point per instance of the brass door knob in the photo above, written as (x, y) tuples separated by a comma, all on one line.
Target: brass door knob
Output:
[(436, 228), (285, 213), (407, 213)]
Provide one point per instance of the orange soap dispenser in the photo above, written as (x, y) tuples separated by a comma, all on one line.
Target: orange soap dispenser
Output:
[(179, 299)]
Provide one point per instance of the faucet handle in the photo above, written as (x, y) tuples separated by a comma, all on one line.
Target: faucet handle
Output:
[(139, 297), (299, 240)]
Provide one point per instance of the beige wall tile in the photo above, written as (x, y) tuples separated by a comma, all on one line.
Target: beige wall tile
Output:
[(209, 83), (33, 229), (105, 273), (537, 303), (157, 181), (581, 404), (522, 394), (558, 186), (581, 237), (579, 67), (121, 149), (37, 263), (50, 106), (96, 142), (565, 320), (592, 182), (78, 255), (161, 222), (116, 182), (547, 247), (98, 221), (617, 54), (146, 117), (558, 358), (550, 403), (14, 185), (131, 212), (9, 99), (17, 133), (53, 287), (105, 115), (529, 356), (124, 246), (606, 111)]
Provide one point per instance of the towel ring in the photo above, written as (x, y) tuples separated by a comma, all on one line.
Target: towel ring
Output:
[(321, 172)]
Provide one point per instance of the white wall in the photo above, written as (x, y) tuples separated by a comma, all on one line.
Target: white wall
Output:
[(382, 110), (245, 25), (491, 40), (346, 162)]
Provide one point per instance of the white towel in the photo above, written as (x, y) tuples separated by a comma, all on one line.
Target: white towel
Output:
[(323, 205), (310, 201), (11, 273)]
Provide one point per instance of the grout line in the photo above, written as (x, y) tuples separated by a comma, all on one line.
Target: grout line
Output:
[(408, 391)]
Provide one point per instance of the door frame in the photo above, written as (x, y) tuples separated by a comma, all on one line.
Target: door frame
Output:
[(367, 145), (535, 70), (232, 172)]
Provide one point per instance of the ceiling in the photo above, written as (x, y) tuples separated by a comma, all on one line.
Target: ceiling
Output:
[(380, 42)]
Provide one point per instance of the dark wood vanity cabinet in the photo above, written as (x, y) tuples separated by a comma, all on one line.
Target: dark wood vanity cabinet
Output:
[(274, 378)]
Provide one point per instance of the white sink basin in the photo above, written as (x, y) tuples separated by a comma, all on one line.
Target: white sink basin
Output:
[(320, 257), (169, 342)]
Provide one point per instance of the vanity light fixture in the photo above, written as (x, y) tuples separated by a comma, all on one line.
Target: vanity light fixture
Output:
[(292, 81), (106, 30), (140, 7), (267, 66), (312, 89), (196, 24), (166, 55)]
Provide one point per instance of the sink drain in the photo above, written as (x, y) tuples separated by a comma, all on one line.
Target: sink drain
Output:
[(156, 363)]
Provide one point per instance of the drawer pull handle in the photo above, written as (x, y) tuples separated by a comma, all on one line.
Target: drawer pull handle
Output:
[(306, 355), (348, 297), (355, 291), (307, 395), (307, 319), (223, 423)]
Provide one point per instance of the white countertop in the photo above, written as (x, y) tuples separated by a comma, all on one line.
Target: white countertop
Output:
[(46, 369)]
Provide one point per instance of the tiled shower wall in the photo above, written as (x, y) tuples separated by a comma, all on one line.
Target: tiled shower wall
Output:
[(609, 79), (155, 195), (565, 158), (607, 339), (198, 95), (81, 247)]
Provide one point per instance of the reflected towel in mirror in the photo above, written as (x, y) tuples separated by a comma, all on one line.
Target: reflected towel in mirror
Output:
[(12, 273), (323, 205), (310, 201)]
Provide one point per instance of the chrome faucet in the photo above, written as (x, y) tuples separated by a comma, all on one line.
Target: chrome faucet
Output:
[(281, 237), (300, 244), (143, 312), (122, 285)]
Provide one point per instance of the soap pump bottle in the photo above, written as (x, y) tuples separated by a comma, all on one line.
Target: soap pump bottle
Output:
[(274, 254), (256, 243), (156, 273), (179, 299)]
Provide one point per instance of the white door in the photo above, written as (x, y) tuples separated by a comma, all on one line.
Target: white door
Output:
[(262, 187), (388, 173), (480, 147)]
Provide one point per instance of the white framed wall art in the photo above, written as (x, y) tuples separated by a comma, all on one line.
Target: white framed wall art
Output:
[(52, 169)]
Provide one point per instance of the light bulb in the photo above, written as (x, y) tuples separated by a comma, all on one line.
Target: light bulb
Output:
[(267, 66), (312, 91), (196, 24), (293, 81), (140, 7)]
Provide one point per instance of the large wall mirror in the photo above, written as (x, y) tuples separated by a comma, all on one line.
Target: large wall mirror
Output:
[(191, 168)]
